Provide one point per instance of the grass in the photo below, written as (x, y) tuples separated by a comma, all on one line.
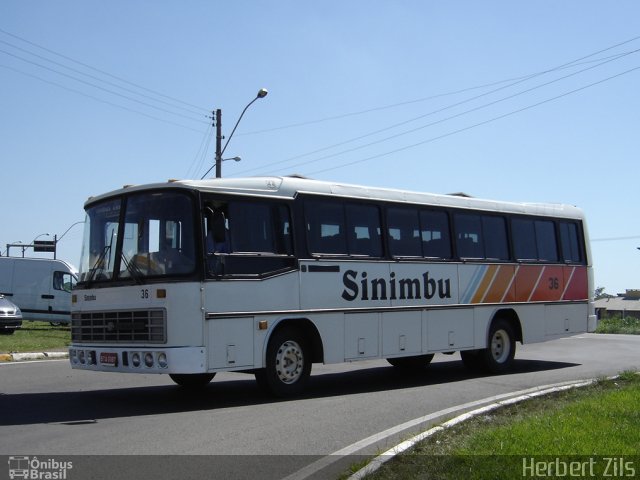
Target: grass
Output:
[(36, 337), (628, 325), (586, 426)]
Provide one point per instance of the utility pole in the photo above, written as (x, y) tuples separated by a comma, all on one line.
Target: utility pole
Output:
[(218, 120)]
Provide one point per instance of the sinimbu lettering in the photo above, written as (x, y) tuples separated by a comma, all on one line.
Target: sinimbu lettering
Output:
[(364, 288)]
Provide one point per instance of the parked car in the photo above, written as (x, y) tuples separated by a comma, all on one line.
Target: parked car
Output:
[(10, 316)]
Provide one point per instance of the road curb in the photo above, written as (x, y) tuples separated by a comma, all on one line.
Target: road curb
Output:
[(23, 357), (384, 457)]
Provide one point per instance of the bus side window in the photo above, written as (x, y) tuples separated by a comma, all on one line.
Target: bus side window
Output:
[(534, 240), (494, 230), (436, 240), (325, 227), (363, 224), (403, 226), (570, 239), (469, 236)]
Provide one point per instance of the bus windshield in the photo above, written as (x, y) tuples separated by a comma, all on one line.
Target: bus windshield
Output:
[(153, 237)]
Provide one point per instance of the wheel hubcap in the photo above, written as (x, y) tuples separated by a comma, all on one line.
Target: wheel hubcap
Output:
[(289, 362), (500, 346)]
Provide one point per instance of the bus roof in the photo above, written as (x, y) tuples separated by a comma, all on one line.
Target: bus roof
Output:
[(291, 186)]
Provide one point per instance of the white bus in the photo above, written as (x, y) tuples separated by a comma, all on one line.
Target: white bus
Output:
[(271, 274)]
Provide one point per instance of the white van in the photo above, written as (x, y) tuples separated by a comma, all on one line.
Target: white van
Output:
[(41, 287)]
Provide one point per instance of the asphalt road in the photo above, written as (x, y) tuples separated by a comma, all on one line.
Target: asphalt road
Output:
[(235, 431)]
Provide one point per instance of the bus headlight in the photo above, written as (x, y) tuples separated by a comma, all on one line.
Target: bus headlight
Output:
[(148, 359), (81, 357), (135, 359), (162, 360)]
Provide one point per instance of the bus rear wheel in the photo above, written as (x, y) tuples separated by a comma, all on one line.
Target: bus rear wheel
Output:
[(501, 347), (411, 363), (288, 364), (192, 380)]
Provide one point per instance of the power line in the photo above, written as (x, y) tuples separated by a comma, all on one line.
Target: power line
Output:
[(518, 80), (500, 117), (466, 112), (201, 154), (97, 99), (112, 92), (440, 95), (94, 77), (204, 110)]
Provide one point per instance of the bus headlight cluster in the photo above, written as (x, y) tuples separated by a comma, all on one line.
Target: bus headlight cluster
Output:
[(149, 360), (82, 357)]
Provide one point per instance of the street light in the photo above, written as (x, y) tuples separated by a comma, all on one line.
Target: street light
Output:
[(33, 244), (13, 244), (57, 238), (235, 159), (41, 235), (219, 149)]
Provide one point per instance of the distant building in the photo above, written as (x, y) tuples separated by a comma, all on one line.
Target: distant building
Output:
[(625, 304)]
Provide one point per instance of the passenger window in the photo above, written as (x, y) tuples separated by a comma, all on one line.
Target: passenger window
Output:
[(403, 232), (569, 237), (325, 227), (363, 224), (259, 228), (534, 240), (546, 241), (469, 236), (436, 241), (524, 239), (246, 237), (495, 238), (481, 236)]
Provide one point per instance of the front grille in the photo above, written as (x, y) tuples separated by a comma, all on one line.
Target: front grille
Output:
[(130, 326)]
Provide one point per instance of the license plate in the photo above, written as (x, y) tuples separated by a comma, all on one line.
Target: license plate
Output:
[(109, 359)]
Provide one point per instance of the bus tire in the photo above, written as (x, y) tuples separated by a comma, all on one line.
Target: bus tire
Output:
[(192, 380), (288, 364), (411, 363), (501, 347)]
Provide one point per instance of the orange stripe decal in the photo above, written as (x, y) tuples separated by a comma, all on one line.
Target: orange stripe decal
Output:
[(484, 284), (576, 283), (526, 280), (550, 287), (502, 289)]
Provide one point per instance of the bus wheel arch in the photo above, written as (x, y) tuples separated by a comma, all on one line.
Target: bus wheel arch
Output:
[(510, 316), (292, 347), (503, 332)]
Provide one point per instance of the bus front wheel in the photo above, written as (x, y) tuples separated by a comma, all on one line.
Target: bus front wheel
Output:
[(288, 364)]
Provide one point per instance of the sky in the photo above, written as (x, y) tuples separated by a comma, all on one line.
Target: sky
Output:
[(533, 101)]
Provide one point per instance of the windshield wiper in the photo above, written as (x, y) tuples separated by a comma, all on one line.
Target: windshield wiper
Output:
[(133, 269), (97, 264)]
